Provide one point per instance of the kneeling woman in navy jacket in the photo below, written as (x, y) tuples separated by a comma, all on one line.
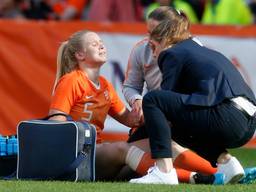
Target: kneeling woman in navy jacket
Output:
[(205, 98)]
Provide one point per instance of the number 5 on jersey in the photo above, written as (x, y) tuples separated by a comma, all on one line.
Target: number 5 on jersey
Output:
[(88, 112)]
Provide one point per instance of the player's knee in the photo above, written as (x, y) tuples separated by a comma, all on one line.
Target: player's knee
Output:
[(122, 147), (149, 98)]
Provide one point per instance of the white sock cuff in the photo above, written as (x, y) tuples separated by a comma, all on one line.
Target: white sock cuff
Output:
[(133, 157)]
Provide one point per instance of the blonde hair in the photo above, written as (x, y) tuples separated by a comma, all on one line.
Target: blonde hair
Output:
[(173, 28), (66, 59)]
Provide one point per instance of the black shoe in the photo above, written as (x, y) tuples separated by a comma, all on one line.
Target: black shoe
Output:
[(215, 179)]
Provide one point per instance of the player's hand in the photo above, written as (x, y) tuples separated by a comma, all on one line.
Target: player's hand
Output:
[(137, 109), (134, 119)]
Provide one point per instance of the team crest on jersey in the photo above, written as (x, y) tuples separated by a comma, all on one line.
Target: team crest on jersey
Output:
[(106, 94)]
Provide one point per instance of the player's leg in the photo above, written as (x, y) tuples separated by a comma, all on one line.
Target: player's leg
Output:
[(110, 158), (139, 159), (189, 160), (182, 157)]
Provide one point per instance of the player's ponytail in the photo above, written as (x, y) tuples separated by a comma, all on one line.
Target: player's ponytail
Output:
[(60, 62)]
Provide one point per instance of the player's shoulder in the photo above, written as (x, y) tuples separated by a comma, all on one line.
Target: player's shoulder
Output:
[(141, 45), (142, 42)]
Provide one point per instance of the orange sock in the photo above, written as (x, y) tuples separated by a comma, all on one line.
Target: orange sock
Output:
[(191, 161), (145, 163), (141, 161), (183, 175), (138, 160)]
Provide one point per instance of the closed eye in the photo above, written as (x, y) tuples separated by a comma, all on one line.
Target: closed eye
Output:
[(94, 44)]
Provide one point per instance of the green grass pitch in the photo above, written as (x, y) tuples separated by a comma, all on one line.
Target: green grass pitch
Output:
[(246, 156)]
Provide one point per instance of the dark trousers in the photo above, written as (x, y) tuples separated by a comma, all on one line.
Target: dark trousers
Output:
[(209, 131), (138, 134)]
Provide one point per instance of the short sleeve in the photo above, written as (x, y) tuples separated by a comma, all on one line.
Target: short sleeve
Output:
[(65, 94)]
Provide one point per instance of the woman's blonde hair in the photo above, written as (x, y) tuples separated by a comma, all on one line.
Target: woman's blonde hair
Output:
[(173, 27), (66, 59)]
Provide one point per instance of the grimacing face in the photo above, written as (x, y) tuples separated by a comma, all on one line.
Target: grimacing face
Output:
[(94, 49)]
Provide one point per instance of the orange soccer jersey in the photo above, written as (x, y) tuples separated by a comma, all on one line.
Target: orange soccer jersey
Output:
[(77, 96)]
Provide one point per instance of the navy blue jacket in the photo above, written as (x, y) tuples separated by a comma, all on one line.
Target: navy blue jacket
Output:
[(203, 76)]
